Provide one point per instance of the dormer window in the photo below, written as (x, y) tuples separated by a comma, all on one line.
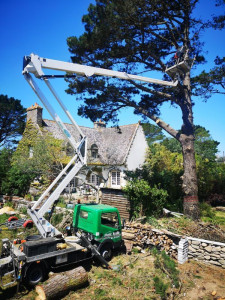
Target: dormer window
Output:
[(94, 151)]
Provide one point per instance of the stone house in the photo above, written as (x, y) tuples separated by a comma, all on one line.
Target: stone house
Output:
[(110, 150)]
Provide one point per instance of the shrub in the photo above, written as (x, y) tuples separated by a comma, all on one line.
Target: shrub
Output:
[(206, 211), (160, 287), (56, 218), (145, 200), (167, 266), (61, 202)]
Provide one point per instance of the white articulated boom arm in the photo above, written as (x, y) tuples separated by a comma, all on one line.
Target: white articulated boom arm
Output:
[(34, 64)]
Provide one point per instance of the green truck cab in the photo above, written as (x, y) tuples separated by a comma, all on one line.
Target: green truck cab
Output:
[(102, 226)]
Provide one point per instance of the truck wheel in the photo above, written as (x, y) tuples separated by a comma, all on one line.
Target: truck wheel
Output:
[(34, 275), (106, 252)]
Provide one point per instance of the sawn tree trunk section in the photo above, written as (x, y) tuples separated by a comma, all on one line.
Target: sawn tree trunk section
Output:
[(60, 284)]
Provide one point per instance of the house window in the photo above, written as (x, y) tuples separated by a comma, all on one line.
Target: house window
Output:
[(31, 152), (95, 179), (94, 151), (115, 177), (71, 187)]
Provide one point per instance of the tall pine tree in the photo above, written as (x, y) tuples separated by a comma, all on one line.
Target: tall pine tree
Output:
[(138, 36)]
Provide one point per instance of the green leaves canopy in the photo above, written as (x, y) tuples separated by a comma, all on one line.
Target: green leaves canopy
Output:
[(39, 155), (132, 36), (212, 82), (12, 119)]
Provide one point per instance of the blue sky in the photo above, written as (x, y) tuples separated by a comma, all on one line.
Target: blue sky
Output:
[(42, 27)]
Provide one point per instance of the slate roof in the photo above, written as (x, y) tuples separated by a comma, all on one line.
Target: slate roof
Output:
[(113, 143)]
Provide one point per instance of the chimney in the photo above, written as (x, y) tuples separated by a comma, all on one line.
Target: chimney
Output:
[(34, 113), (99, 124)]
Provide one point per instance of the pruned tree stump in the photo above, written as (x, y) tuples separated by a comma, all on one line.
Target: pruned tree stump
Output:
[(62, 283)]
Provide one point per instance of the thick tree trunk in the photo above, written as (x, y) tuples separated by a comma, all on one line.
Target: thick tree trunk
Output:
[(60, 284), (190, 184)]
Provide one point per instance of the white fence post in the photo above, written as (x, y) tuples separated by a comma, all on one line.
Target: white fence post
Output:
[(182, 251)]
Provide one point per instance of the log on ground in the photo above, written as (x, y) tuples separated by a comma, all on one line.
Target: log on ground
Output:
[(60, 284)]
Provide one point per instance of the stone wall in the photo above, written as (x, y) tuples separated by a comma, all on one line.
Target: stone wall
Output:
[(144, 236), (207, 251)]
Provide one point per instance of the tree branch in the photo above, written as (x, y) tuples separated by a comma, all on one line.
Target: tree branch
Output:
[(173, 132), (156, 58), (148, 90), (161, 37)]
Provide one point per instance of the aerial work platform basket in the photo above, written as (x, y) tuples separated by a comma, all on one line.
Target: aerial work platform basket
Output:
[(182, 66)]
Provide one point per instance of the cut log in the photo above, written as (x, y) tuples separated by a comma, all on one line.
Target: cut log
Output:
[(128, 236), (60, 284)]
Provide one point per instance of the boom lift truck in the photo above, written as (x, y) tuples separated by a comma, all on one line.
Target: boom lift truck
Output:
[(97, 227)]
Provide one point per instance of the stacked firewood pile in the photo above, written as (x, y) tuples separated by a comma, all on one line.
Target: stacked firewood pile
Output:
[(144, 236)]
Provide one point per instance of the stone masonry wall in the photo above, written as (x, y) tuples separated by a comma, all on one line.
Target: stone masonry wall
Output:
[(207, 251), (202, 250)]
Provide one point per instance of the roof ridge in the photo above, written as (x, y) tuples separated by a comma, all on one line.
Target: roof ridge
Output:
[(133, 124)]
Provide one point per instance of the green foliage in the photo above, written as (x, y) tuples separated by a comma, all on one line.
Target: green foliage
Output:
[(206, 211), (56, 218), (153, 221), (9, 203), (29, 197), (5, 159), (219, 218), (23, 210), (145, 200), (3, 218), (165, 265), (172, 145), (12, 119), (205, 146), (129, 43), (17, 182), (219, 21), (165, 168), (211, 178), (170, 266), (61, 202), (99, 293), (160, 287), (211, 82), (117, 281), (153, 133), (38, 155)]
